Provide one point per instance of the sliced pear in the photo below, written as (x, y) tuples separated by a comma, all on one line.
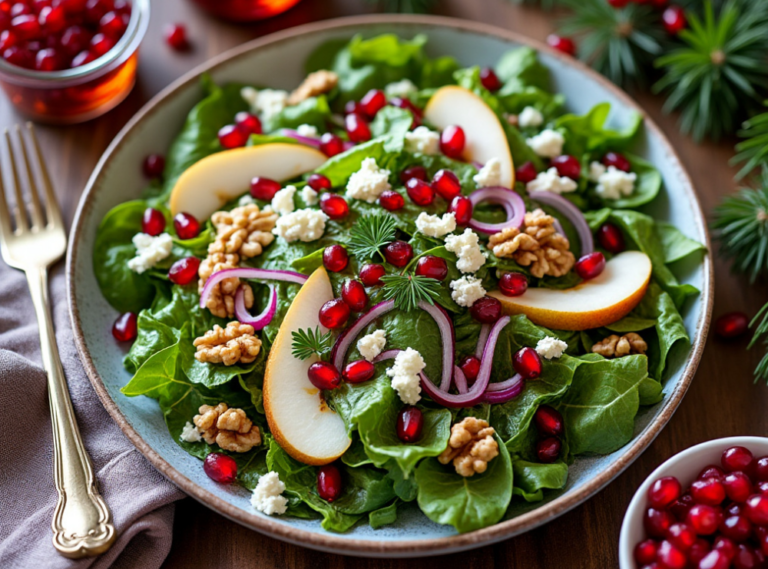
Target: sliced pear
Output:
[(216, 179), (298, 416), (454, 105), (592, 304)]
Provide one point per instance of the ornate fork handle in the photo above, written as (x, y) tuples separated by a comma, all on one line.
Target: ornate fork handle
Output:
[(82, 524)]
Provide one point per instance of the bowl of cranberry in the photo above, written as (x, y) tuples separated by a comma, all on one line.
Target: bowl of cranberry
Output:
[(68, 61), (704, 508)]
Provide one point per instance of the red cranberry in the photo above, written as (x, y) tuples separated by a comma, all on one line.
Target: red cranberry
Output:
[(329, 482), (757, 509), (220, 468), (184, 271), (318, 182), (248, 123), (710, 492), (331, 144), (527, 363), (186, 226), (738, 486), (590, 266), (731, 325), (372, 102), (681, 536), (446, 184), (152, 222), (334, 314), (335, 258), (82, 58), (334, 206), (513, 284), (53, 20), (113, 24), (452, 141), (563, 44), (611, 238), (526, 173), (398, 253), (357, 128), (232, 137), (664, 491), (711, 471), (324, 375), (101, 44), (549, 421), (489, 79), (567, 166), (680, 507), (410, 422), (415, 171), (470, 366), (703, 519), (420, 192), (371, 274), (153, 166), (698, 551), (486, 310), (548, 450), (674, 20), (359, 371), (353, 293), (645, 552), (616, 160), (391, 200), (26, 26), (761, 469), (432, 267), (461, 207), (657, 522), (670, 557), (264, 188), (736, 458), (176, 36), (125, 327), (715, 560), (737, 528)]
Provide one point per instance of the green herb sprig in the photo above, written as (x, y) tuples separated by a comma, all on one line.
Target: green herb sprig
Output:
[(307, 343), (761, 334), (408, 290), (370, 233)]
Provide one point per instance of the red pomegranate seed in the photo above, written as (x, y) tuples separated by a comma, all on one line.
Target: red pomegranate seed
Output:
[(731, 325), (432, 267), (334, 206), (489, 79), (184, 271), (334, 314), (318, 182), (711, 471), (353, 293), (113, 24), (95, 10), (446, 184), (664, 491), (736, 458), (352, 107), (406, 105), (153, 166), (264, 188), (419, 172), (737, 528), (372, 102), (548, 450), (470, 366), (681, 536), (486, 310), (680, 507), (461, 207), (371, 274), (563, 44), (125, 328), (359, 371), (697, 552), (329, 482), (152, 222), (232, 137), (391, 200), (248, 123), (590, 266), (747, 558), (186, 225), (323, 375), (220, 468), (357, 128), (19, 56), (756, 509), (410, 422), (611, 238), (82, 58), (657, 522), (703, 519), (670, 557), (645, 552), (5, 20), (452, 141), (335, 258), (616, 160), (101, 44), (398, 253), (420, 192), (527, 363), (513, 284), (761, 469), (176, 36), (20, 9), (549, 421), (53, 20), (72, 6), (714, 560), (710, 492), (526, 173), (674, 20), (74, 40), (7, 39), (568, 166), (738, 486), (724, 545), (734, 510), (26, 26), (48, 60), (762, 488), (331, 144)]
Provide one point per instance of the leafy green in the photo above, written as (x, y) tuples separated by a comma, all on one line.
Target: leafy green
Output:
[(523, 67), (588, 133), (647, 185), (383, 516), (533, 476), (313, 111), (676, 245)]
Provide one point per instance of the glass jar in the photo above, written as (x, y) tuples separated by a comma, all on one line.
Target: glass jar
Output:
[(246, 10), (82, 93)]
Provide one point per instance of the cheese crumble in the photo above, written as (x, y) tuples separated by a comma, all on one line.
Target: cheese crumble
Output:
[(434, 225), (309, 195), (149, 251), (551, 348), (423, 141), (371, 345), (267, 103), (615, 184), (466, 246), (301, 225), (307, 130), (405, 375), (547, 144), (282, 202), (489, 175), (190, 433), (402, 89), (530, 117), (551, 181), (369, 182), (467, 290), (267, 496)]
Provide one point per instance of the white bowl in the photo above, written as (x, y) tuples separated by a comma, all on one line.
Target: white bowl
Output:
[(685, 466)]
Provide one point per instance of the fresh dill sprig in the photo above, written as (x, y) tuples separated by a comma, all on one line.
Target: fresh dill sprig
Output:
[(408, 290), (370, 233), (307, 343), (761, 333)]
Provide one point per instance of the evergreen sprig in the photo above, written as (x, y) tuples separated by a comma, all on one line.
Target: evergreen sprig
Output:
[(408, 290), (307, 343), (370, 233), (761, 335), (753, 151)]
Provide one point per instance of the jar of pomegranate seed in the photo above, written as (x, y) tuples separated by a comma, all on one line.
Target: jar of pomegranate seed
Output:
[(80, 93), (246, 10)]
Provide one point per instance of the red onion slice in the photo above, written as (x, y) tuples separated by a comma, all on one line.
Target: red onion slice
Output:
[(485, 329), (260, 320), (248, 273), (512, 203), (344, 341), (495, 397), (445, 325), (311, 140), (459, 379), (388, 355), (506, 384), (572, 214)]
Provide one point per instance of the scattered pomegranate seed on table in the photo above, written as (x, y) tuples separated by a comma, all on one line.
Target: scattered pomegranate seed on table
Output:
[(319, 182), (489, 79), (590, 266), (220, 468), (176, 36), (329, 484), (410, 422), (526, 173), (611, 238), (461, 207), (391, 200), (674, 20), (398, 253), (420, 192), (470, 366), (353, 293), (563, 44), (370, 275), (184, 271), (446, 184), (568, 166), (153, 166), (264, 188), (334, 314), (359, 371), (527, 363), (419, 172), (486, 310), (331, 144), (452, 141), (433, 267), (731, 325), (334, 206), (513, 284), (335, 258), (125, 328), (186, 225), (152, 222)]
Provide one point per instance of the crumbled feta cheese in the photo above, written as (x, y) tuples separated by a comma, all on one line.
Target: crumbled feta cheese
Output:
[(596, 169), (267, 496), (530, 117), (547, 144), (489, 175), (372, 344), (422, 140), (550, 347), (615, 183), (402, 89), (434, 225), (467, 290), (369, 182), (265, 102), (247, 199), (282, 202), (551, 181), (307, 130), (466, 246), (405, 375), (301, 225), (190, 433), (309, 195), (149, 251)]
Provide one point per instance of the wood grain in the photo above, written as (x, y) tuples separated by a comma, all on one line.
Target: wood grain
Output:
[(722, 400)]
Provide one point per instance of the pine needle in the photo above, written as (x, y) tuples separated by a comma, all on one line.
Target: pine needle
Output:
[(307, 343), (408, 290), (370, 233), (761, 333)]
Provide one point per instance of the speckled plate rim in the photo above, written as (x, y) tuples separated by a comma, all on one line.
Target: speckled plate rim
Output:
[(406, 548)]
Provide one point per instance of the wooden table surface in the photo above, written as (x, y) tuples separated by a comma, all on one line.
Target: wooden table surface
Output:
[(722, 400)]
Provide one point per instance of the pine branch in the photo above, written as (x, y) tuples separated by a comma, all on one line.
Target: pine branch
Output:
[(761, 334), (307, 343), (370, 233), (754, 150), (408, 290)]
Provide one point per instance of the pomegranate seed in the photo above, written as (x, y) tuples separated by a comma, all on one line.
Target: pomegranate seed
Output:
[(406, 105), (567, 166), (19, 56), (461, 207), (334, 314), (548, 450), (352, 107), (762, 487), (731, 325), (101, 44), (82, 58), (357, 128), (248, 123), (674, 20), (125, 328), (645, 552), (420, 192), (698, 551), (470, 366), (153, 166), (563, 44), (370, 275), (329, 482), (513, 284), (5, 20), (549, 421), (489, 79), (53, 20), (359, 371), (446, 184), (756, 509), (232, 137), (746, 558), (526, 173), (186, 225), (527, 363), (331, 144), (113, 24), (72, 6), (264, 188), (398, 253), (657, 522), (419, 172), (410, 422), (7, 39), (681, 536), (616, 160), (26, 26), (74, 40), (714, 560), (20, 9), (48, 60), (220, 468), (738, 486), (590, 266), (611, 238), (152, 222), (734, 509), (679, 508), (353, 293), (761, 469), (710, 492), (96, 9), (318, 182), (736, 458), (391, 200), (664, 491), (725, 545), (486, 310), (176, 36), (670, 557), (323, 375), (432, 267), (335, 258), (372, 102), (452, 141), (184, 271), (737, 528), (703, 519), (711, 471), (334, 206)]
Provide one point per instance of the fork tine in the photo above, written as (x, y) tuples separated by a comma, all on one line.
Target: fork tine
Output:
[(21, 217), (37, 211), (52, 211), (6, 225)]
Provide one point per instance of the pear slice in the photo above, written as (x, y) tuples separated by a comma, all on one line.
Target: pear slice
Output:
[(591, 304), (298, 417), (486, 139), (216, 179)]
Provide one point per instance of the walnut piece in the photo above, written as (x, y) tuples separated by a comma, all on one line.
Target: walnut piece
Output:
[(231, 429), (617, 346), (538, 245), (313, 85), (234, 344), (471, 447)]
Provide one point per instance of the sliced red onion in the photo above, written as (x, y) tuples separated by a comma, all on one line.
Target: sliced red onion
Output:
[(344, 341), (485, 329), (478, 165), (445, 325), (506, 384), (388, 355), (512, 203), (260, 320), (459, 379), (311, 140), (248, 273), (495, 397), (571, 213)]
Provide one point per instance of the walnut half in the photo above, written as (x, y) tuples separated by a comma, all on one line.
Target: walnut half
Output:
[(234, 344), (231, 429), (314, 84), (617, 346), (471, 447)]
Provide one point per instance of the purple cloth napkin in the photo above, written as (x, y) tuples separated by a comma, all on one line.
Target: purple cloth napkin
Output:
[(140, 499)]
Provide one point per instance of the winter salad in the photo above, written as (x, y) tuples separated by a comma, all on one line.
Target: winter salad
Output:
[(403, 281)]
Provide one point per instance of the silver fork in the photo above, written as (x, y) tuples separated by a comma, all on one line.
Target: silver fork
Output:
[(32, 242)]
